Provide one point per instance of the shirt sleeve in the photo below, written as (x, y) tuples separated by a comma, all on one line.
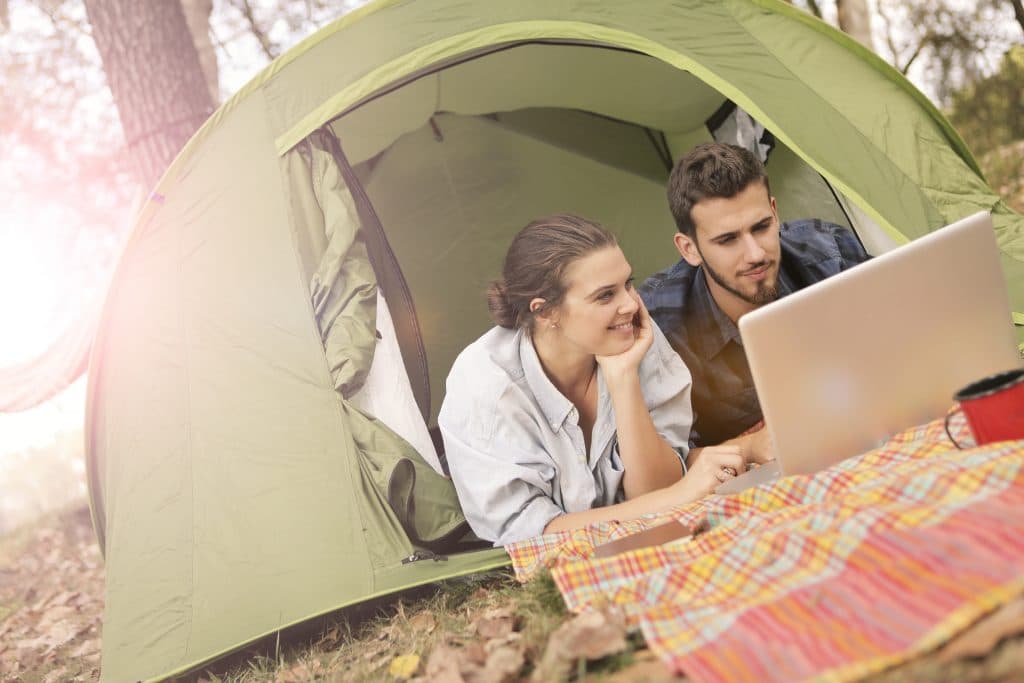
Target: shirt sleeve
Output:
[(851, 251), (505, 488), (667, 385)]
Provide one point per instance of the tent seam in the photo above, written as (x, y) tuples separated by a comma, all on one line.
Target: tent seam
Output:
[(579, 31), (187, 347)]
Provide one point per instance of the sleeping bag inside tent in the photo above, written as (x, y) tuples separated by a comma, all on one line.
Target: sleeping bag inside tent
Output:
[(264, 384)]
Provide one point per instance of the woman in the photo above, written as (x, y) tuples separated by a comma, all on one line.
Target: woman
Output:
[(574, 409)]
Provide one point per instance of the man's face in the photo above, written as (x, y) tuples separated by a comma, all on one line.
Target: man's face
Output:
[(737, 245)]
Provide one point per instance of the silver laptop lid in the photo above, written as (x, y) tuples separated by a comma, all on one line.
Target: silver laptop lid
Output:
[(842, 365)]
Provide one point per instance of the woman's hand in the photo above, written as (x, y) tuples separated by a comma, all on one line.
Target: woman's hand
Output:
[(757, 447), (643, 337), (711, 467)]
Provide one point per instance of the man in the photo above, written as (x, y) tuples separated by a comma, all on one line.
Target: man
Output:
[(736, 257)]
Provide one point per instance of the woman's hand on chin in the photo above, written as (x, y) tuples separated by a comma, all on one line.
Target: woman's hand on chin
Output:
[(628, 362)]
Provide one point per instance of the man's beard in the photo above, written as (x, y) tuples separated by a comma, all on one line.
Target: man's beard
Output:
[(765, 294)]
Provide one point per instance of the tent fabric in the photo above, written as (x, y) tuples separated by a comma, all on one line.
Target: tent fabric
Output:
[(414, 503), (235, 488), (343, 288)]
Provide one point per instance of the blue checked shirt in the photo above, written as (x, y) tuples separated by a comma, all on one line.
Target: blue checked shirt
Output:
[(724, 401)]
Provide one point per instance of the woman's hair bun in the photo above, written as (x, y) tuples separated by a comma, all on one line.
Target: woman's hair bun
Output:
[(502, 311)]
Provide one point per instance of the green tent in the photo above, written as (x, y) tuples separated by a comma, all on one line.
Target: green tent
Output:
[(241, 479)]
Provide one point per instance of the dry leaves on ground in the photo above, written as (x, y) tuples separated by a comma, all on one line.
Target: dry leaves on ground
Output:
[(984, 635), (591, 635), (490, 650), (51, 602)]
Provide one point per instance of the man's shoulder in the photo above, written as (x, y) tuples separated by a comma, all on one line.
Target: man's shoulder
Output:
[(804, 229), (667, 288), (814, 240)]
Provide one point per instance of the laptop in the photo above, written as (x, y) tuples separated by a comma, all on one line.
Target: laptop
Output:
[(841, 366)]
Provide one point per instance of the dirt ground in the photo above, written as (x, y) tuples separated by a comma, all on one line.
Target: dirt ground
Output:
[(51, 603)]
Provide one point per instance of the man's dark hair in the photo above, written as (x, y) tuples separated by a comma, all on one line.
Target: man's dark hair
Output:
[(711, 169)]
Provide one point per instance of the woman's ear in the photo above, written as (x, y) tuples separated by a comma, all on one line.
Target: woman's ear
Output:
[(543, 316)]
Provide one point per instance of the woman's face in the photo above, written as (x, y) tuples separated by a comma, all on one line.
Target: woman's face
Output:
[(596, 314)]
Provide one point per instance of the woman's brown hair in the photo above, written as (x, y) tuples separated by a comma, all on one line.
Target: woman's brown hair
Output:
[(535, 266)]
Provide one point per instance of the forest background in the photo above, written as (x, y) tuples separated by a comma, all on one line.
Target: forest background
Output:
[(91, 115), (99, 95)]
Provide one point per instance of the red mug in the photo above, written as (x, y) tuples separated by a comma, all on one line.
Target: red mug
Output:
[(994, 407)]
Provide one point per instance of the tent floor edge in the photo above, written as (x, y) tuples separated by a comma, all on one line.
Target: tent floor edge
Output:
[(389, 581)]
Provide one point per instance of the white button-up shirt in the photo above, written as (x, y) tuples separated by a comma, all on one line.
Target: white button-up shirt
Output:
[(514, 445)]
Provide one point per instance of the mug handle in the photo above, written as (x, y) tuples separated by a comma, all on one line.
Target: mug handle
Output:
[(945, 424)]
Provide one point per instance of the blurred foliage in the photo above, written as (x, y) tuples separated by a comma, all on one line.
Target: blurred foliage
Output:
[(60, 138), (1004, 169), (990, 112), (948, 45), (941, 45)]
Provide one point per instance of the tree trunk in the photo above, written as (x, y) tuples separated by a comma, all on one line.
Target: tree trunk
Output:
[(154, 73), (1018, 11), (197, 16), (854, 18)]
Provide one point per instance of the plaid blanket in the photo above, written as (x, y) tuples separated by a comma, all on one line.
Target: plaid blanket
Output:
[(831, 576)]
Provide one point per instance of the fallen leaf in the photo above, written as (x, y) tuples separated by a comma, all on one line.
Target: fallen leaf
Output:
[(64, 598), (591, 635), (496, 623), (87, 649), (644, 667), (54, 615), (387, 632), (980, 638), (444, 666), (423, 623), (404, 666), (56, 675), (300, 672), (44, 601), (375, 650), (503, 665), (493, 644)]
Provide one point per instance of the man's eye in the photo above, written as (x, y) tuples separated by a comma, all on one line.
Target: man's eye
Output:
[(727, 240), (762, 228), (605, 296), (629, 284)]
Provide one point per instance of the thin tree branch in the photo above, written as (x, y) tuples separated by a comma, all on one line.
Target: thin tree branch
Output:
[(917, 52), (1018, 11), (261, 37), (895, 51)]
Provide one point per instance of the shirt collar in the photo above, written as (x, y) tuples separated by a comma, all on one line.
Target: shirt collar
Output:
[(555, 406), (714, 328)]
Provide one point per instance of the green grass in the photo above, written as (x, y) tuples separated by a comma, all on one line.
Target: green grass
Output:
[(363, 650)]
